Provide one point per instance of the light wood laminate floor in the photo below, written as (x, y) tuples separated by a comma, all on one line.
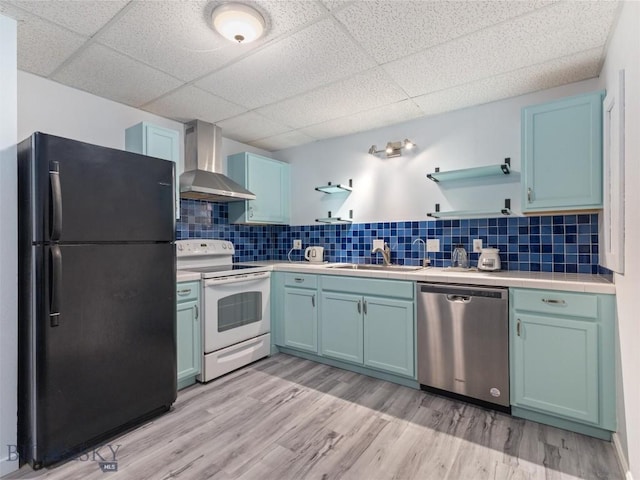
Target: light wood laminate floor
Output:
[(288, 418)]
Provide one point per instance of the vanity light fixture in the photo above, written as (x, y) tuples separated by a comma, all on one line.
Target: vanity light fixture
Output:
[(393, 149), (238, 22)]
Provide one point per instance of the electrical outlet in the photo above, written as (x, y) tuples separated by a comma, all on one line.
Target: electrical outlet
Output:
[(377, 243), (477, 245), (433, 245), (297, 244)]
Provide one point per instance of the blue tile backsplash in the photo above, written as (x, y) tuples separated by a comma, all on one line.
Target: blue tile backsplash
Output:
[(559, 243)]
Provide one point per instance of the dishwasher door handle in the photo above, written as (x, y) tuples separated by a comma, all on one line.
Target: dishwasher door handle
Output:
[(459, 298)]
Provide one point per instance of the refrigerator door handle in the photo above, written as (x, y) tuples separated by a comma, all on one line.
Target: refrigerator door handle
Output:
[(55, 282), (56, 201)]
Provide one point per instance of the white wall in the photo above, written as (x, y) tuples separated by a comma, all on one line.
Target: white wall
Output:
[(50, 107), (8, 244), (623, 53), (475, 136)]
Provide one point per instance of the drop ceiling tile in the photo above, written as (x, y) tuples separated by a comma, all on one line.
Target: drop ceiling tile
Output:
[(375, 118), (363, 91), (320, 54), (176, 37), (109, 74), (557, 72), (85, 17), (42, 46), (335, 4), (189, 103), (282, 141), (557, 31), (391, 30), (283, 17), (250, 126)]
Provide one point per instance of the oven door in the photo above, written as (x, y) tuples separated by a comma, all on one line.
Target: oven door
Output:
[(236, 308)]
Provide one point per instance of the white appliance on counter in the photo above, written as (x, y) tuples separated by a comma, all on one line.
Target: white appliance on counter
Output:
[(235, 306), (489, 260)]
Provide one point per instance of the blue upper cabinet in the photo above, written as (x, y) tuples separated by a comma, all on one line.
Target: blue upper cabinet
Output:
[(562, 154), (156, 142), (268, 179)]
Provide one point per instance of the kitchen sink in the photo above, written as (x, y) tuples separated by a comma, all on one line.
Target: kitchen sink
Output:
[(383, 268)]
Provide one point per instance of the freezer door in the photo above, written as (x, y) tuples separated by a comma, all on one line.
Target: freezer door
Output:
[(105, 349), (86, 193)]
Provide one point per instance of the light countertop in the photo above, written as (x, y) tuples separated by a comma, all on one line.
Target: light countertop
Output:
[(574, 282), (184, 276)]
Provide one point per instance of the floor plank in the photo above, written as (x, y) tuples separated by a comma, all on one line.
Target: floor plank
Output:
[(289, 418)]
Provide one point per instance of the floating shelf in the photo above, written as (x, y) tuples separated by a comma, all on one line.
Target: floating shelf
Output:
[(472, 213), (338, 188), (330, 219), (475, 172)]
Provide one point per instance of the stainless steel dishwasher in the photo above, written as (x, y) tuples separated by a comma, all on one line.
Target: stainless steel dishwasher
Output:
[(463, 342)]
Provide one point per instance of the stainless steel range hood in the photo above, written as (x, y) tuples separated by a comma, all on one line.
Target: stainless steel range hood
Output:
[(202, 178)]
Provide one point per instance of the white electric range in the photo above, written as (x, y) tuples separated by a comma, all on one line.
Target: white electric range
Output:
[(235, 306)]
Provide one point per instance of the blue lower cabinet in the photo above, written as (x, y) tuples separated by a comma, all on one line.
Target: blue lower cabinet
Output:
[(300, 319), (388, 335), (563, 359), (556, 366), (189, 349), (375, 331), (342, 327)]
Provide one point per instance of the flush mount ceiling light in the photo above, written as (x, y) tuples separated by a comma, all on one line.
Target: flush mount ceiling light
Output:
[(393, 149), (238, 22)]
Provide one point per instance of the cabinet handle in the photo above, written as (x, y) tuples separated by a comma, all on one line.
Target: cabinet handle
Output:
[(313, 300), (184, 292), (364, 307), (196, 307), (518, 327), (298, 280), (529, 192), (359, 306), (553, 301), (250, 212)]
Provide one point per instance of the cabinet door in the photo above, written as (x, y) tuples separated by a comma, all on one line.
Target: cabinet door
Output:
[(562, 154), (157, 142), (301, 319), (188, 340), (388, 335), (269, 181), (341, 326), (556, 366)]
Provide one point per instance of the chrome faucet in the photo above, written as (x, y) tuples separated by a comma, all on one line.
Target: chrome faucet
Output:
[(425, 260), (386, 253)]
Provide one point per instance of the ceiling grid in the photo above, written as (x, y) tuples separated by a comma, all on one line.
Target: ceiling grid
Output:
[(323, 68)]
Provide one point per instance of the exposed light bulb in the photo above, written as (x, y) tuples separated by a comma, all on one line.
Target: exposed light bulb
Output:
[(408, 144), (389, 148)]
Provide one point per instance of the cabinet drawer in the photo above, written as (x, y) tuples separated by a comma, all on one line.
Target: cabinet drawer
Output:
[(556, 302), (187, 291), (383, 288), (301, 280)]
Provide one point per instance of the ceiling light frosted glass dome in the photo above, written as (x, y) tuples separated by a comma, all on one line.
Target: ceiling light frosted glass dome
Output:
[(238, 22)]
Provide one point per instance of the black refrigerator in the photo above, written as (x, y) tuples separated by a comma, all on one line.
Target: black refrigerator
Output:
[(97, 305)]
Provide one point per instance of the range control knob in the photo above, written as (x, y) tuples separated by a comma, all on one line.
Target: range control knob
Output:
[(224, 245), (180, 247)]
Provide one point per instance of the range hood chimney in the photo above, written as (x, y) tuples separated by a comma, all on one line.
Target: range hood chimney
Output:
[(202, 178)]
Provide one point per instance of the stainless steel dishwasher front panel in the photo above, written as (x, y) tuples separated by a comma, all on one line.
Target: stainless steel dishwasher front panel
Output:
[(463, 340)]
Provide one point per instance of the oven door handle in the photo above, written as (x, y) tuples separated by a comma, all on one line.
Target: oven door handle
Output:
[(236, 279)]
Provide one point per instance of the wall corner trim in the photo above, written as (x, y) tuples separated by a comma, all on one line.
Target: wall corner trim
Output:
[(622, 460)]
